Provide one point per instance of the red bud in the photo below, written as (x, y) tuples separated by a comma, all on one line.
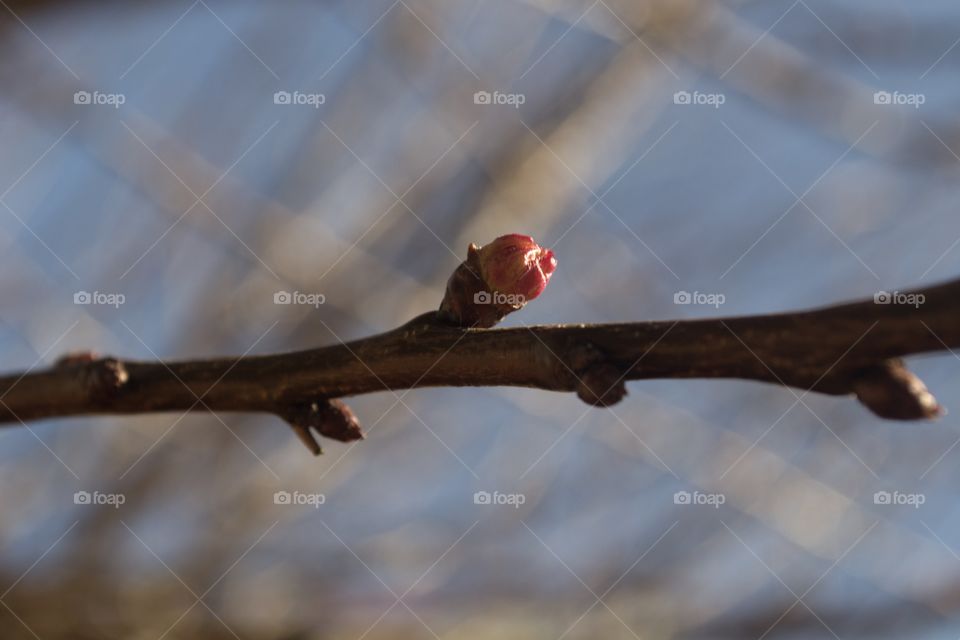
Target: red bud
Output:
[(515, 265), (496, 279)]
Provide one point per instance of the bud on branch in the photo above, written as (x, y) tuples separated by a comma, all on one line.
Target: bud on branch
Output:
[(496, 279), (850, 349)]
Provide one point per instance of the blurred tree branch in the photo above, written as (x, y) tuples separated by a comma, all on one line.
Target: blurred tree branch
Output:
[(845, 349)]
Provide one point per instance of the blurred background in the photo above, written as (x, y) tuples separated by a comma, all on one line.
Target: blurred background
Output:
[(169, 167)]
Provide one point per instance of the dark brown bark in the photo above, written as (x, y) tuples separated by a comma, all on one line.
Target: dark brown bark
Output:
[(846, 349)]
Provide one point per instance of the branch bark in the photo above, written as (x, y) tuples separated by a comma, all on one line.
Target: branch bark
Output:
[(847, 349)]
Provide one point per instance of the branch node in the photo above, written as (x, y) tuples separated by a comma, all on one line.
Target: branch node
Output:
[(893, 392), (599, 382), (101, 377), (330, 418)]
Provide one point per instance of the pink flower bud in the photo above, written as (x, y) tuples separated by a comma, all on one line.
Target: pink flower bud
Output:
[(516, 265), (496, 279)]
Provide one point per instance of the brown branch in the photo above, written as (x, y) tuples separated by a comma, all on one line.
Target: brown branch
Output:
[(847, 349)]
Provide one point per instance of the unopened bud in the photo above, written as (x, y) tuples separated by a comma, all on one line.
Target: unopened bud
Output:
[(496, 279)]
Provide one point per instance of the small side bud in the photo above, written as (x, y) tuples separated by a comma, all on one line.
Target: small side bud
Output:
[(338, 422), (601, 385), (107, 377), (102, 377), (330, 418), (598, 381), (893, 392)]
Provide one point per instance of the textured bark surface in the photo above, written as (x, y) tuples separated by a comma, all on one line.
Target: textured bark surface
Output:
[(846, 349)]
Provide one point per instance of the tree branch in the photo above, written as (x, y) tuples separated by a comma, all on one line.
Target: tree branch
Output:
[(846, 349)]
